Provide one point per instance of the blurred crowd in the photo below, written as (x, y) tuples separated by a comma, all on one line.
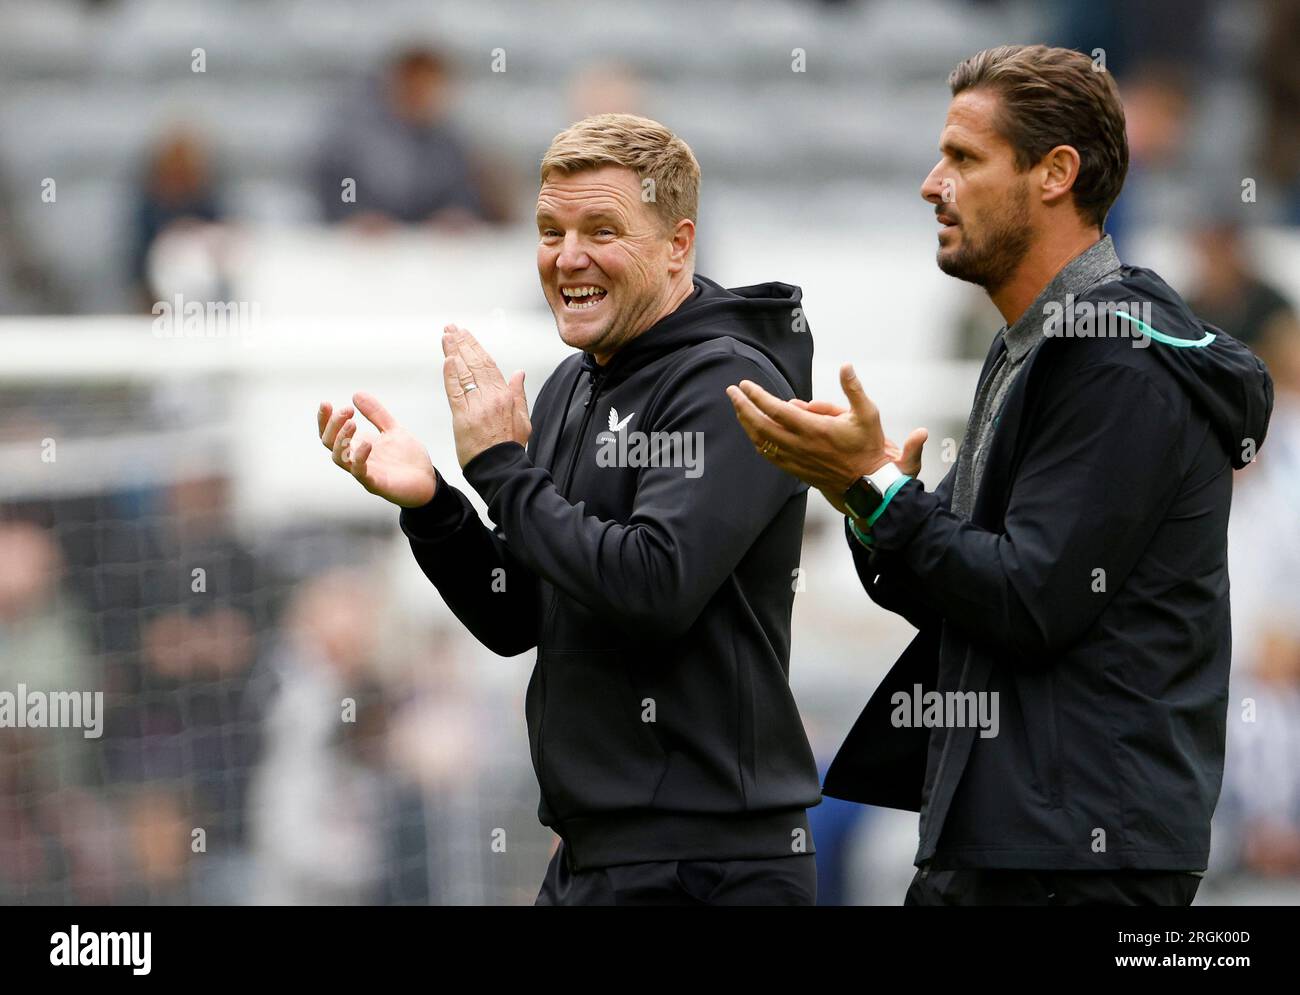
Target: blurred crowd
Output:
[(262, 743), (390, 156)]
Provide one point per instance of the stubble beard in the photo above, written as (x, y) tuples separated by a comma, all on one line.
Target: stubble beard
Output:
[(990, 260)]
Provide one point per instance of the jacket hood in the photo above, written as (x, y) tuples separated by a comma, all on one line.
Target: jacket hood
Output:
[(1228, 382), (767, 316)]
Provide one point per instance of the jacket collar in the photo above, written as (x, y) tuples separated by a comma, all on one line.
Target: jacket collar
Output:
[(1093, 265)]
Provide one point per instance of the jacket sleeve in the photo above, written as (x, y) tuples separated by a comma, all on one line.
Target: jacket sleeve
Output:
[(1094, 484), (688, 529), (886, 578), (493, 594)]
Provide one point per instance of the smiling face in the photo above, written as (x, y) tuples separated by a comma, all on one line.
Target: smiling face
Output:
[(981, 200), (609, 266)]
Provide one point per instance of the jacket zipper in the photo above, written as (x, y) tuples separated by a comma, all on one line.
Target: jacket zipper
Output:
[(592, 389)]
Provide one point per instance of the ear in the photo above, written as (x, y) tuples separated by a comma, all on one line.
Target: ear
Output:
[(1060, 168), (683, 241)]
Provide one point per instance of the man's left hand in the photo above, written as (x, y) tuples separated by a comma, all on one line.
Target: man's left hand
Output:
[(485, 408), (825, 445)]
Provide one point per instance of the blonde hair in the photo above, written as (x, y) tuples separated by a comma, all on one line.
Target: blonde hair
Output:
[(637, 143)]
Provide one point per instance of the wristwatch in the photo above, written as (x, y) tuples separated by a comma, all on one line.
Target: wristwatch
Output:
[(867, 495)]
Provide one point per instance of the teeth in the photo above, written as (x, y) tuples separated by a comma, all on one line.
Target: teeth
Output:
[(574, 294)]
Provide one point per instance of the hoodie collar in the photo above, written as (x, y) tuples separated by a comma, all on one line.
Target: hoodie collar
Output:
[(640, 344), (767, 317)]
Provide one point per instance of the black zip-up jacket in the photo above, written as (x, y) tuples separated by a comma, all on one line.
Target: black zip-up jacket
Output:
[(660, 717), (1090, 591)]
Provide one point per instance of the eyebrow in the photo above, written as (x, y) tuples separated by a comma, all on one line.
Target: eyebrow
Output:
[(590, 216), (956, 145)]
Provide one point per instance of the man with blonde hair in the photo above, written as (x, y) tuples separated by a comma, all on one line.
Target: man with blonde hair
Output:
[(654, 580)]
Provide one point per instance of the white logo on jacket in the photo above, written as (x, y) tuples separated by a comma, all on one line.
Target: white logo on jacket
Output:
[(621, 448)]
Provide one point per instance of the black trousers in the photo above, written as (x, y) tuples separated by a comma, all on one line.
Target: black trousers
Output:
[(1003, 887), (778, 881)]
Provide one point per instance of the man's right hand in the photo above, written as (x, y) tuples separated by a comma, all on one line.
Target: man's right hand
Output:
[(395, 466)]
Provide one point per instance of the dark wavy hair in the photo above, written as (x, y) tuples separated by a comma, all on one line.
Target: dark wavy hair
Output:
[(1051, 97)]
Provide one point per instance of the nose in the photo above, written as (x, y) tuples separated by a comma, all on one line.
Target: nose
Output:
[(572, 254), (932, 187)]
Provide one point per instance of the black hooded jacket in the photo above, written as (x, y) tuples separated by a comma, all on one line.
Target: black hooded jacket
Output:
[(1089, 591), (649, 554)]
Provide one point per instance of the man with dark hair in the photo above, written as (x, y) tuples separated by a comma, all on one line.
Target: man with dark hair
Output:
[(1059, 719)]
